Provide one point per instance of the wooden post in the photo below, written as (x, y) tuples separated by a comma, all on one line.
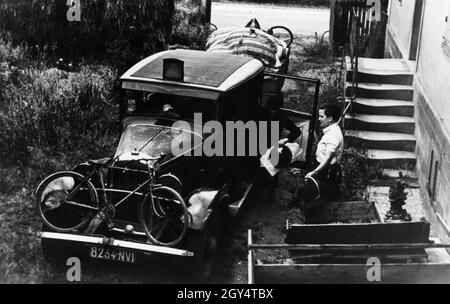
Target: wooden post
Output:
[(332, 16), (208, 10), (338, 25), (377, 38), (251, 262), (205, 9)]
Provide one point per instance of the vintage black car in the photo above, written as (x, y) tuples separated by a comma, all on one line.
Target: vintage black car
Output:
[(147, 199)]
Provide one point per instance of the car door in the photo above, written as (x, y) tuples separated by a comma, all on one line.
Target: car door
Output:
[(300, 105)]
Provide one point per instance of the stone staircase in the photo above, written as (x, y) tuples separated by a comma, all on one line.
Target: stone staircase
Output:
[(382, 118)]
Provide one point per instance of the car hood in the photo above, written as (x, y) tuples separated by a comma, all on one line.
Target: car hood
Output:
[(143, 138)]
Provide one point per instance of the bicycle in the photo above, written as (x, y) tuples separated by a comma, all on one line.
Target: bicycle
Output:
[(68, 201)]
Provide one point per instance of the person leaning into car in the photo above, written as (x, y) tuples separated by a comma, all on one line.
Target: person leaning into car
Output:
[(289, 133), (324, 181), (273, 113)]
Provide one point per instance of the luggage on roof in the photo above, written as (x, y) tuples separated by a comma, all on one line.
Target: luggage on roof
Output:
[(252, 42)]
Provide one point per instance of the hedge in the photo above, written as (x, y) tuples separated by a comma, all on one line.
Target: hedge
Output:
[(52, 119), (122, 31)]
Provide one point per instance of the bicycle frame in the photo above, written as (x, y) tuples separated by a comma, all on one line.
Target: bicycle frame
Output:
[(104, 190)]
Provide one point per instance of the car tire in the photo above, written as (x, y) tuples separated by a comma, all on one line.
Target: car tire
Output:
[(205, 244)]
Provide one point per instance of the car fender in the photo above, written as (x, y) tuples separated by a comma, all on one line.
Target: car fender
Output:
[(202, 203)]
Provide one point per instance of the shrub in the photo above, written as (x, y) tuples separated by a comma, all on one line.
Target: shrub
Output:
[(51, 119), (357, 172), (57, 109), (330, 91), (318, 51), (188, 30), (120, 31)]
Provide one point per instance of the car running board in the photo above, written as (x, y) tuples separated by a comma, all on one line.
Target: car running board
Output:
[(235, 207)]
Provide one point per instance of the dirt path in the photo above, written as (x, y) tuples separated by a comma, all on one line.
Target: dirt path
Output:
[(266, 216)]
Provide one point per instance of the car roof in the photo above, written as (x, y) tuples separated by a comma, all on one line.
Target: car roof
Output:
[(206, 74)]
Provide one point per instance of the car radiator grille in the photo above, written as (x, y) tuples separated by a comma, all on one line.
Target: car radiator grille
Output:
[(125, 179)]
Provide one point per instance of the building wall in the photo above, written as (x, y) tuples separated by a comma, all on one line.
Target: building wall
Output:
[(400, 23), (432, 94), (433, 106), (432, 137), (433, 66)]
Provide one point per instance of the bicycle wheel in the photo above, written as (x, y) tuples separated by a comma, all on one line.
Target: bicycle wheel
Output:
[(166, 219), (59, 213), (285, 35)]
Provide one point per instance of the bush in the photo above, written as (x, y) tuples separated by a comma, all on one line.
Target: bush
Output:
[(119, 31), (51, 119), (318, 51), (55, 116), (330, 91), (188, 31), (357, 171)]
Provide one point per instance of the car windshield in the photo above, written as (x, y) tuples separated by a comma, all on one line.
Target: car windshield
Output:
[(168, 106)]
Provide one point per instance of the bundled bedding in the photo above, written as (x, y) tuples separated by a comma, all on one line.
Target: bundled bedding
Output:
[(253, 42)]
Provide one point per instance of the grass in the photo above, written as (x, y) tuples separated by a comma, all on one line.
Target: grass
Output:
[(117, 31), (52, 117), (308, 60), (21, 260)]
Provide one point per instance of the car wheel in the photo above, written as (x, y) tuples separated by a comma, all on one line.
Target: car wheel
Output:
[(204, 244)]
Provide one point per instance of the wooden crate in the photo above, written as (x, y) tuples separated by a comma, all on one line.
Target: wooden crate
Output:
[(339, 253), (343, 212)]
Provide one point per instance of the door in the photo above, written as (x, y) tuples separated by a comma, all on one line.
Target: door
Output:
[(301, 106), (416, 30)]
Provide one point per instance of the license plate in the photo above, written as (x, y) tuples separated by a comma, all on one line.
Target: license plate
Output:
[(112, 254)]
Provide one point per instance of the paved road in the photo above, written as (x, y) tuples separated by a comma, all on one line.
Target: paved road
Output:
[(299, 20)]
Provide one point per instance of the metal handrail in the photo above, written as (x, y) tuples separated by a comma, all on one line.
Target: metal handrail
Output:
[(354, 60), (348, 108), (346, 111)]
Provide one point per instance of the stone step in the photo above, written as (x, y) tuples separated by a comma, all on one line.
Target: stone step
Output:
[(390, 173), (389, 177), (393, 159), (380, 123), (381, 91), (387, 71), (383, 107), (383, 140), (381, 66)]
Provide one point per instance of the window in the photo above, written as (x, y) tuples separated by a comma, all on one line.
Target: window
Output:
[(168, 106)]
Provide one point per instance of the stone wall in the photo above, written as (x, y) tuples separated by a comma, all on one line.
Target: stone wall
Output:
[(432, 96), (432, 150)]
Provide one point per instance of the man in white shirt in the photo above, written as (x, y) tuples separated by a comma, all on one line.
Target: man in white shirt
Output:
[(324, 181)]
